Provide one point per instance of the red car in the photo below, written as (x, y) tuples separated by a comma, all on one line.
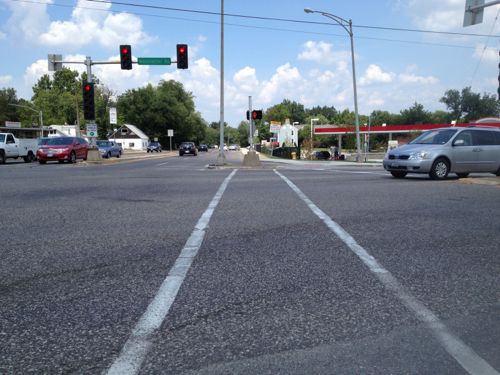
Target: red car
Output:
[(62, 149)]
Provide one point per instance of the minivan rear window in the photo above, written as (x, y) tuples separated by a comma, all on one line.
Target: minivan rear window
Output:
[(485, 137)]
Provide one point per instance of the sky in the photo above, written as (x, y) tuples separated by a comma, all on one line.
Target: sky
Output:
[(405, 51)]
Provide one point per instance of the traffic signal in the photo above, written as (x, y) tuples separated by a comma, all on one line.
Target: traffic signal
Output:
[(256, 115), (126, 57), (88, 101), (182, 56)]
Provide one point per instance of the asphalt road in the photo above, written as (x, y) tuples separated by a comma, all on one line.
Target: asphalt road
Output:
[(168, 266)]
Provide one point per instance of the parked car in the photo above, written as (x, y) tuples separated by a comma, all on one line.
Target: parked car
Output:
[(441, 151), (321, 155), (154, 147), (203, 147), (62, 149), (109, 149), (187, 148), (233, 147)]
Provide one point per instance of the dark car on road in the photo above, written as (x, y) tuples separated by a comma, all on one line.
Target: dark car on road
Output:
[(154, 147), (321, 155), (203, 147), (187, 148), (62, 149)]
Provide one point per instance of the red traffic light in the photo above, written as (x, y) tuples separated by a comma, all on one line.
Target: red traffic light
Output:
[(126, 57), (88, 101), (257, 115), (182, 56)]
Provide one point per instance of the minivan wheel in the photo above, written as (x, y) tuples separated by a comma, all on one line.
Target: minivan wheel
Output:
[(462, 175), (439, 169), (398, 174)]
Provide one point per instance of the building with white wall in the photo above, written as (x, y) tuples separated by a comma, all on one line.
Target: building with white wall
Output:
[(130, 137)]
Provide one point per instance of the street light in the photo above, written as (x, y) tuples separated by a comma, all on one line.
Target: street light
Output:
[(40, 115), (344, 23), (311, 144)]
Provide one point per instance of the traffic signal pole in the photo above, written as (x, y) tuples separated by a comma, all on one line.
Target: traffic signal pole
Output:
[(250, 123)]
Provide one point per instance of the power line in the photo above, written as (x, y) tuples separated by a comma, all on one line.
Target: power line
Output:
[(484, 49), (260, 27), (284, 19)]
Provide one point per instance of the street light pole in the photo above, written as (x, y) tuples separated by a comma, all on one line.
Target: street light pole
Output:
[(40, 115), (344, 23), (221, 157)]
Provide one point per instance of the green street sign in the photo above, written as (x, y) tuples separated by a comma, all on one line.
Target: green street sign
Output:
[(153, 60)]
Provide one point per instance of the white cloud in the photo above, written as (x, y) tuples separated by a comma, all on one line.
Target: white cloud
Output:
[(27, 20), (488, 54), (376, 100), (246, 80), (413, 78), (3, 36), (86, 26), (121, 80), (5, 79), (374, 74), (320, 52), (448, 15), (35, 71), (283, 82)]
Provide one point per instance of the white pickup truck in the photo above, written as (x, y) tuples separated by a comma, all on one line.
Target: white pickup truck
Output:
[(12, 147)]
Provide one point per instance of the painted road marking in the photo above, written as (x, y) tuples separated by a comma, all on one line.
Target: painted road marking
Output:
[(463, 354), (162, 164), (137, 346)]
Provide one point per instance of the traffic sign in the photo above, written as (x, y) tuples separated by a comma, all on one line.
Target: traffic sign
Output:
[(92, 130), (154, 60)]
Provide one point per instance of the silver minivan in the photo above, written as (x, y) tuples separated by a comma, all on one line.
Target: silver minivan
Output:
[(441, 151)]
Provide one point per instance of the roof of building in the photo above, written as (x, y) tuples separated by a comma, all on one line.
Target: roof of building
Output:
[(138, 132)]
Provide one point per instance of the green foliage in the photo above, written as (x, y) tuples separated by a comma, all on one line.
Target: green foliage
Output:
[(415, 115), (59, 97), (469, 106), (286, 110), (155, 109), (243, 133), (8, 112), (328, 112)]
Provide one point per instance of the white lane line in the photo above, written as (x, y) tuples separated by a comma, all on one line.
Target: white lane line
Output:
[(137, 346), (462, 353), (162, 164)]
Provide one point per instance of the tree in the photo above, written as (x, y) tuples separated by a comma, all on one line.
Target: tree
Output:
[(383, 117), (244, 133), (8, 112), (416, 114), (59, 97), (166, 106), (329, 112), (286, 110), (469, 106), (441, 117)]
